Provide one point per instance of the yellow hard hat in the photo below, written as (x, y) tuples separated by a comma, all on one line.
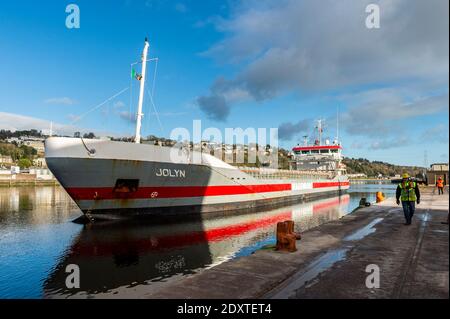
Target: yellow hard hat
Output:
[(406, 175)]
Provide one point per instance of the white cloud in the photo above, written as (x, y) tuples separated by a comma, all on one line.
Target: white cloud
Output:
[(169, 114), (180, 7), (383, 144), (127, 116), (60, 101), (381, 112), (436, 134), (73, 118), (14, 122), (119, 104)]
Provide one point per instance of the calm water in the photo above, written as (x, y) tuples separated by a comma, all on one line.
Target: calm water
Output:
[(38, 240)]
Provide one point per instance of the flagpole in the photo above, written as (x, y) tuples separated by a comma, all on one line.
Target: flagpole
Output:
[(141, 94)]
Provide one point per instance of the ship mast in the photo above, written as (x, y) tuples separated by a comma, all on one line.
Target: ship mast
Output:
[(319, 128), (141, 93), (337, 126)]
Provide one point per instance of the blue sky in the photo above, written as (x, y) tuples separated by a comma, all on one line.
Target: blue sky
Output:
[(236, 64)]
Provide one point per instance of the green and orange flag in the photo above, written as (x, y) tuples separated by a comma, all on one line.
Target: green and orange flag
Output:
[(135, 75)]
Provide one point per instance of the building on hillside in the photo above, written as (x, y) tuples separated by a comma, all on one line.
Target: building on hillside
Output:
[(14, 140), (41, 174), (437, 170), (5, 174), (356, 175), (6, 160), (40, 162), (15, 170), (37, 144)]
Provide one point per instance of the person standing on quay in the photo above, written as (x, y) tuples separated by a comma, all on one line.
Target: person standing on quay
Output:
[(440, 186), (408, 192)]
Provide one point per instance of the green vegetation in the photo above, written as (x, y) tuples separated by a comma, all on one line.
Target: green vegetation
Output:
[(89, 135), (4, 134), (17, 152), (85, 135), (373, 169), (24, 163)]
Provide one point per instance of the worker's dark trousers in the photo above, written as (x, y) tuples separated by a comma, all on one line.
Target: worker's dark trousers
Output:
[(408, 210), (441, 190)]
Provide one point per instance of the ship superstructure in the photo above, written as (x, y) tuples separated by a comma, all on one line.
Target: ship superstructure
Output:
[(319, 157)]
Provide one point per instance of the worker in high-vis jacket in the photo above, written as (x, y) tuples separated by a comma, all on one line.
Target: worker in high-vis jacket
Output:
[(440, 186), (408, 192)]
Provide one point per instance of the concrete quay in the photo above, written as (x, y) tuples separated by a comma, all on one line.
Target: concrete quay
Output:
[(332, 260)]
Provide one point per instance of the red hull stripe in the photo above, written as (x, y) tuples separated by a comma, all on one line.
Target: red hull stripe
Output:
[(96, 248), (320, 207), (90, 193), (330, 184)]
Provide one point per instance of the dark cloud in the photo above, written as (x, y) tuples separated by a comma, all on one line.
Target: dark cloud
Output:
[(214, 106), (288, 130)]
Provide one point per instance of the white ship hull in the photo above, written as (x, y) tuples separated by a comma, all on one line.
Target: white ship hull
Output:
[(105, 177)]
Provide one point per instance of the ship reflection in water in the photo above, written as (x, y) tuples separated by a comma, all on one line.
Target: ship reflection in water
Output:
[(127, 259), (116, 257)]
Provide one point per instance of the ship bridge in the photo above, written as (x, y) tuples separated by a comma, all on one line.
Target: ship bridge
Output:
[(317, 158), (333, 151)]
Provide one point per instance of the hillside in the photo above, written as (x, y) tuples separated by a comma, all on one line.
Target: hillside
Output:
[(373, 169)]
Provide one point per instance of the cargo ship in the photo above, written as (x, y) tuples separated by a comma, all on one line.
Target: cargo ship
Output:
[(109, 178)]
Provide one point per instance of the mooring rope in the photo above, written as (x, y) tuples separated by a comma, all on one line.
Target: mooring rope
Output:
[(99, 105), (156, 112)]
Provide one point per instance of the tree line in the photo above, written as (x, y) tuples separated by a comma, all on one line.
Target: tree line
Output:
[(374, 168)]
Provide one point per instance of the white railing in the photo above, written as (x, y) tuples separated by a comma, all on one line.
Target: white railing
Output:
[(270, 173)]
